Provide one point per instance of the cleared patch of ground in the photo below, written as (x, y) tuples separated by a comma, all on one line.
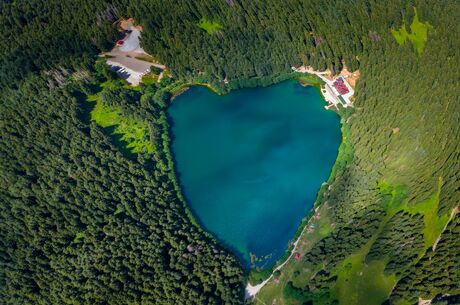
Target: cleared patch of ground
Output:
[(351, 77), (210, 27), (418, 33), (363, 283), (134, 133), (311, 79), (150, 79), (434, 224)]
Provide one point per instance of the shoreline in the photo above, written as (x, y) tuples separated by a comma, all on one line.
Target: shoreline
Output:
[(331, 94), (185, 87), (251, 291)]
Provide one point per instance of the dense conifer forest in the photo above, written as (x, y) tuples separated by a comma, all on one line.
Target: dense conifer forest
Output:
[(87, 219)]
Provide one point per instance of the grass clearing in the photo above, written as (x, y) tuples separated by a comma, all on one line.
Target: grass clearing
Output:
[(434, 224), (210, 27), (400, 35), (325, 229), (418, 33), (133, 132), (149, 79), (311, 79), (79, 236), (146, 57), (363, 283)]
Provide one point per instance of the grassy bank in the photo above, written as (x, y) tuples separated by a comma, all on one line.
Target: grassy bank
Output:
[(310, 80), (209, 26)]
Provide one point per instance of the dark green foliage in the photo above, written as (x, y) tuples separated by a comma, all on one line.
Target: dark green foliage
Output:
[(338, 245), (294, 294), (155, 70), (400, 242), (40, 35), (129, 101), (81, 223), (437, 272), (446, 300)]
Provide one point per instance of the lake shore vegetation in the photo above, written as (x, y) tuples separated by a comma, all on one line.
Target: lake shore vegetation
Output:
[(87, 219)]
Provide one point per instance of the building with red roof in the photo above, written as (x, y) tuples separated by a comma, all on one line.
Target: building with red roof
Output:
[(340, 86), (297, 255)]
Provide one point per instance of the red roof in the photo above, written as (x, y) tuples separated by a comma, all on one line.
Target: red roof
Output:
[(340, 86), (120, 42), (297, 255)]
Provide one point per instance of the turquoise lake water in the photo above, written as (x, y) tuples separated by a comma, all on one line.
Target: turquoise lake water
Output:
[(251, 162)]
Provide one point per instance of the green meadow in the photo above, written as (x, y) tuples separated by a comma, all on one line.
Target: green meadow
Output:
[(362, 283), (210, 27), (368, 281), (418, 33), (134, 133), (311, 79)]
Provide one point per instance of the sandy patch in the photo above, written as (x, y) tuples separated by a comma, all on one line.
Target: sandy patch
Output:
[(351, 77), (128, 24)]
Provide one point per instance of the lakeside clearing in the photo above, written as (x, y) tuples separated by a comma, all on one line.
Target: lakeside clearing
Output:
[(335, 90)]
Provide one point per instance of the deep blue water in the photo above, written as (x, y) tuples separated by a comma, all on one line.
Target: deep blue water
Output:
[(251, 162)]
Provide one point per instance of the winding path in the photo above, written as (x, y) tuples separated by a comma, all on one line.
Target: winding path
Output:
[(251, 291)]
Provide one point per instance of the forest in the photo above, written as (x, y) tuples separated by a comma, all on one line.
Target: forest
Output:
[(90, 214)]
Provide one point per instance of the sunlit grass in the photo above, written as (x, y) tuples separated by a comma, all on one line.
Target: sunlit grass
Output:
[(434, 224), (210, 27), (150, 79), (310, 79), (418, 35), (363, 283), (134, 133)]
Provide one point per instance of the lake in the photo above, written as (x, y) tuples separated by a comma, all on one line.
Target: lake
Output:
[(251, 162)]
